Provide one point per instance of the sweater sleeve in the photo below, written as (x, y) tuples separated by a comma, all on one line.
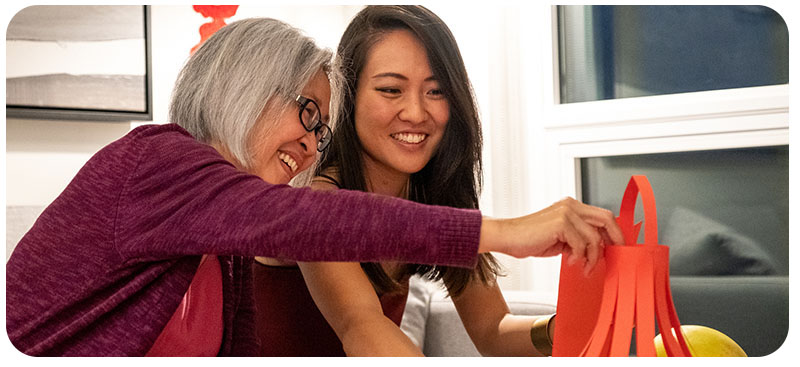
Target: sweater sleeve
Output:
[(182, 198)]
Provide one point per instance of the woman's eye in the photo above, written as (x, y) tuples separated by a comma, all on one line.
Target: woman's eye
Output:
[(436, 93), (388, 90)]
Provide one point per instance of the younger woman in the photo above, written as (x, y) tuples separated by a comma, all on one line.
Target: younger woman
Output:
[(409, 129)]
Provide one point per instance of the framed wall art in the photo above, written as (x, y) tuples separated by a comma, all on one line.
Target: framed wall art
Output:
[(79, 63)]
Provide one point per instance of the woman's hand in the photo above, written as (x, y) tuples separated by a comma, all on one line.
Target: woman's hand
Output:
[(578, 230)]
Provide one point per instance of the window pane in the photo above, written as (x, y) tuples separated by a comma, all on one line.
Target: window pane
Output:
[(714, 207), (725, 216), (609, 52)]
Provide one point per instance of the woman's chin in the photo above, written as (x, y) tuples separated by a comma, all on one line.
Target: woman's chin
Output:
[(410, 168)]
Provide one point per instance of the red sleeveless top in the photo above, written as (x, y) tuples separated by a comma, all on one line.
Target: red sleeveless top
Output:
[(195, 329), (288, 321)]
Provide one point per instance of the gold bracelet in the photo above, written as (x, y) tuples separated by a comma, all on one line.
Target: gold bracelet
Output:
[(540, 336)]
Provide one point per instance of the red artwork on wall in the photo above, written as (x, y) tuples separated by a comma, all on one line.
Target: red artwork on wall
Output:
[(217, 13)]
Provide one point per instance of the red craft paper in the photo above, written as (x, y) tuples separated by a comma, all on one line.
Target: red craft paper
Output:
[(629, 289), (645, 307), (578, 305), (626, 301), (217, 13)]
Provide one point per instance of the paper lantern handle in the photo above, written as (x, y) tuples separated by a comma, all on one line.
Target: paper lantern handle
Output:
[(638, 185)]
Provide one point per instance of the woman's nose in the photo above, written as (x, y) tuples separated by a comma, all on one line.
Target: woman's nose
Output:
[(309, 142), (413, 109)]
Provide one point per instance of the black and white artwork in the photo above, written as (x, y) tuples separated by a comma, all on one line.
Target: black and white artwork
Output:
[(78, 62)]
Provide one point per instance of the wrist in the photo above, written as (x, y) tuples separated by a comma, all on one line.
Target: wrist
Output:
[(488, 237), (542, 334)]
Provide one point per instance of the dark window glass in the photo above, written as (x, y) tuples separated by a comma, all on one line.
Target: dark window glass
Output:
[(722, 212), (725, 216), (609, 52)]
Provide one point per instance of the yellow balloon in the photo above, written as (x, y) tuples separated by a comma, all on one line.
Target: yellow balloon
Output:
[(704, 342)]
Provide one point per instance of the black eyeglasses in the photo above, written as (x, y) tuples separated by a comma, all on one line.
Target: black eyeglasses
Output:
[(311, 119)]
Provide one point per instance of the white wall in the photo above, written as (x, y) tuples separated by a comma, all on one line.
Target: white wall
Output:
[(43, 156)]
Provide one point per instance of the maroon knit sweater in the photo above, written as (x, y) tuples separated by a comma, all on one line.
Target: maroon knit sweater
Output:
[(107, 263)]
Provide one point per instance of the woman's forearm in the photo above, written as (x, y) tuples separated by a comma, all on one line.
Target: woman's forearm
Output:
[(377, 337), (494, 330), (570, 227), (345, 297), (515, 333)]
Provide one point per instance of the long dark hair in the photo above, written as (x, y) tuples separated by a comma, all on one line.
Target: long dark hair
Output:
[(453, 175)]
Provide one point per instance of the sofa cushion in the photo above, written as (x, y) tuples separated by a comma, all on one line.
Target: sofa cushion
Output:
[(432, 322), (702, 246), (752, 310)]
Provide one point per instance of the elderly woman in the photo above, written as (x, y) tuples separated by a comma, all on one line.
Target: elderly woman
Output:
[(148, 251)]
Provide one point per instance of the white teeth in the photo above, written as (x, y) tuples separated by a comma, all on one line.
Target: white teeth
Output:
[(409, 137), (288, 160)]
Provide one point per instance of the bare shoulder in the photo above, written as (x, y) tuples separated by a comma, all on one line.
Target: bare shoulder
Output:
[(327, 180), (319, 183)]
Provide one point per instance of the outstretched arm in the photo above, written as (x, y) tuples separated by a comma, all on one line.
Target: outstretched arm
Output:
[(568, 226)]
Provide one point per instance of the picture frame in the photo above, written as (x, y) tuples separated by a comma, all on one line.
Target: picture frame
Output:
[(80, 63)]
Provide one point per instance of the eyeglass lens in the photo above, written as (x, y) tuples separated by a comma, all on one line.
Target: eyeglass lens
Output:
[(312, 121), (310, 115)]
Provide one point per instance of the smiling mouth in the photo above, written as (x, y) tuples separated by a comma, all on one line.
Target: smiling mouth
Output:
[(288, 161), (409, 138)]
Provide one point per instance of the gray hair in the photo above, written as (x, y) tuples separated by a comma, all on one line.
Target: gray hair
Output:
[(236, 73)]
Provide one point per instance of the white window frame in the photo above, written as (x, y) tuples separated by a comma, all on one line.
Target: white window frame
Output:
[(556, 136)]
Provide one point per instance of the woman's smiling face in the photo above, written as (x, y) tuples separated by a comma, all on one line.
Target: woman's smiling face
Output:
[(400, 112), (287, 150)]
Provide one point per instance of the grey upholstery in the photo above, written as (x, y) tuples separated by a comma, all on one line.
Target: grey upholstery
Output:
[(431, 320), (728, 281), (752, 310)]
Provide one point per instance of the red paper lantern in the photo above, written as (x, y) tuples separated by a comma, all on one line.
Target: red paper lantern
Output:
[(217, 13), (629, 288)]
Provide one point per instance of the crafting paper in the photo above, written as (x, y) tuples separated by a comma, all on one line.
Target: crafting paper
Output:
[(629, 289)]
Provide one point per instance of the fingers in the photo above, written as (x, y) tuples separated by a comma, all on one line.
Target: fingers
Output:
[(574, 239), (570, 227), (590, 229), (606, 238), (590, 245), (602, 219)]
